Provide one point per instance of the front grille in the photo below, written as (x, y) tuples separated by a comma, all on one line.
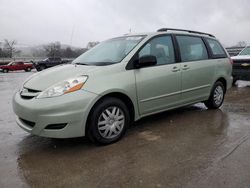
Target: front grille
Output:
[(27, 93), (27, 97), (241, 64), (32, 90), (28, 123)]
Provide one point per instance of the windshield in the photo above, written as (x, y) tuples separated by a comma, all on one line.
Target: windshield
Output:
[(246, 51), (109, 52)]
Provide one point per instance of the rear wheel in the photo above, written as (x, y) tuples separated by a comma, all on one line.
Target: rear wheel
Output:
[(108, 121), (28, 69), (5, 70), (216, 97)]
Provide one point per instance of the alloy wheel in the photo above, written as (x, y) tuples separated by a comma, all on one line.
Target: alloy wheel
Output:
[(111, 122), (218, 95)]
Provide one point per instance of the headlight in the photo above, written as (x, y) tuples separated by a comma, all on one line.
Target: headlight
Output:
[(67, 86)]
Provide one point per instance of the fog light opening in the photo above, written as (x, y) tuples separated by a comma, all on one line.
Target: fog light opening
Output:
[(56, 126)]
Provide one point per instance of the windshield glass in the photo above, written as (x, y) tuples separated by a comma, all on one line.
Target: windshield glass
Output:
[(109, 52), (246, 51)]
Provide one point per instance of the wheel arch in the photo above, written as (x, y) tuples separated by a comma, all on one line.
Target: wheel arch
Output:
[(223, 81), (123, 97)]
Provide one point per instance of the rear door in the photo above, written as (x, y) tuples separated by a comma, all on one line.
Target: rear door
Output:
[(196, 67), (159, 86)]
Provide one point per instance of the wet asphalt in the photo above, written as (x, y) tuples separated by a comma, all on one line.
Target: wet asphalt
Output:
[(187, 147)]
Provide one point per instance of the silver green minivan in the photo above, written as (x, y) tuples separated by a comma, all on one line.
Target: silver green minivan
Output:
[(122, 80)]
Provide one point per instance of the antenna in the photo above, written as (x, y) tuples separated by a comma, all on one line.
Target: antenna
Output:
[(72, 33)]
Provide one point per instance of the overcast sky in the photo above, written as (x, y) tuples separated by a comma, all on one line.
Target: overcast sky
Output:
[(33, 22)]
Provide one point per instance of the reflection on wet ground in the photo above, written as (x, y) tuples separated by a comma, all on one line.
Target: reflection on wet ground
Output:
[(187, 147)]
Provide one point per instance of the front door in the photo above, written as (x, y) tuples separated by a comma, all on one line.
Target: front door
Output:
[(158, 86)]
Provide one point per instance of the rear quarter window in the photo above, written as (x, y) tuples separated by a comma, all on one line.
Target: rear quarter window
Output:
[(216, 48)]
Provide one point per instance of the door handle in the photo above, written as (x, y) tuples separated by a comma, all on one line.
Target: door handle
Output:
[(185, 67), (175, 69)]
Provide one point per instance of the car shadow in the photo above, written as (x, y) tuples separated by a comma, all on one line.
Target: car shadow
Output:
[(155, 142)]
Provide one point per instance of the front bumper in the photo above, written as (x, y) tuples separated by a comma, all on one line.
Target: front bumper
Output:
[(241, 74), (71, 109)]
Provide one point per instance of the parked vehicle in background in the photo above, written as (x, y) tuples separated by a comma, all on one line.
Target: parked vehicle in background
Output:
[(49, 62), (241, 65), (17, 65), (122, 80)]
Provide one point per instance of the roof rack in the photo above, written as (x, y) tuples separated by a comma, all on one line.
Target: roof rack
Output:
[(189, 31)]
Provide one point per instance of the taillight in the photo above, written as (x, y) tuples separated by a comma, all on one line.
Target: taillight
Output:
[(231, 61)]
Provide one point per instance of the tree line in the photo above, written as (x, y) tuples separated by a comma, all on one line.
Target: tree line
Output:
[(8, 49)]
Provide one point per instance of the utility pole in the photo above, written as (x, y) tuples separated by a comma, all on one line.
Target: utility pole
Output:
[(72, 33)]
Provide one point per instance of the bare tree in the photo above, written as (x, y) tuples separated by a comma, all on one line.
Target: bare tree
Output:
[(9, 47), (53, 49), (241, 44), (92, 44)]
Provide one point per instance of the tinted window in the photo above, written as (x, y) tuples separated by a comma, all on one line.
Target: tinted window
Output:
[(216, 48), (192, 48), (162, 48)]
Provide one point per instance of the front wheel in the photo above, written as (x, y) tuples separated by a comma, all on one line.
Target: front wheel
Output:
[(40, 68), (5, 70), (108, 121), (216, 97)]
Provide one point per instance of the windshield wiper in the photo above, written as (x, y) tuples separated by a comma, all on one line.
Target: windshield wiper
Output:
[(80, 64), (104, 63)]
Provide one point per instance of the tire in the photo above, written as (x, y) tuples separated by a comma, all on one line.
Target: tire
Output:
[(234, 81), (216, 97), (40, 68), (28, 70), (107, 124), (5, 70)]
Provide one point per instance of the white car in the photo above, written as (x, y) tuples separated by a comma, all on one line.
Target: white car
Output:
[(241, 65)]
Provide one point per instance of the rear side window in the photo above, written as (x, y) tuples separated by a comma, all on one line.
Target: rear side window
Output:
[(216, 48), (162, 48), (192, 48)]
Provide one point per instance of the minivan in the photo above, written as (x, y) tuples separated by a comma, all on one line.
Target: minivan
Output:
[(122, 80)]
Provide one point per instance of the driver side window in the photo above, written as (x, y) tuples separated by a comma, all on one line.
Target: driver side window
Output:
[(160, 47)]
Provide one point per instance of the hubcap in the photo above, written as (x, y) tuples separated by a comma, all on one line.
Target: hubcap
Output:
[(218, 95), (111, 122)]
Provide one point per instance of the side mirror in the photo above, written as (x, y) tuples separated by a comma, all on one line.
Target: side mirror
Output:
[(146, 61)]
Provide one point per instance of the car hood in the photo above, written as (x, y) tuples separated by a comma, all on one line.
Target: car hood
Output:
[(46, 78), (2, 66), (240, 57)]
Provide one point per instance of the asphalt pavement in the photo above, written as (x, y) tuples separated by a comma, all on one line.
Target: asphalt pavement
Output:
[(187, 147)]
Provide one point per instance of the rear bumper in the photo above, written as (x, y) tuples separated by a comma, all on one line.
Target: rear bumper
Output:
[(34, 115)]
